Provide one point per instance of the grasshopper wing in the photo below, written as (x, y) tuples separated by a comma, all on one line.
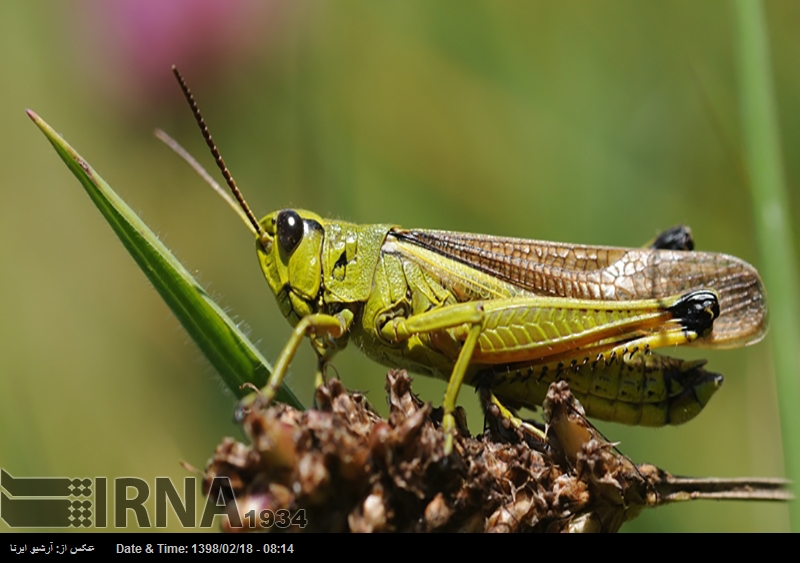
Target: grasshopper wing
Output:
[(614, 274)]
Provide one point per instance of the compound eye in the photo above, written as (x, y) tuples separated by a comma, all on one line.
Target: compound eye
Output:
[(290, 230)]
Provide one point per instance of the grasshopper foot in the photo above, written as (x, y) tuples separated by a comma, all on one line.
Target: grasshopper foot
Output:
[(502, 422), (449, 428), (258, 399)]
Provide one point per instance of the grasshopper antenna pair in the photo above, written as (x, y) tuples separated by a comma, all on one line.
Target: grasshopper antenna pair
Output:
[(239, 205)]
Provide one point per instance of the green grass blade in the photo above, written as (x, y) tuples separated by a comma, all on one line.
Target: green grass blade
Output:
[(773, 225), (235, 358)]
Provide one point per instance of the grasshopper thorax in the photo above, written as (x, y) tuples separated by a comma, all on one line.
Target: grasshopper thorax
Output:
[(290, 254)]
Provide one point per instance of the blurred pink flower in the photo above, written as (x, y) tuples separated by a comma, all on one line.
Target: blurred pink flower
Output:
[(136, 41)]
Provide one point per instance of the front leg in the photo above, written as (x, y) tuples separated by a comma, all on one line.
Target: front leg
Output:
[(319, 325)]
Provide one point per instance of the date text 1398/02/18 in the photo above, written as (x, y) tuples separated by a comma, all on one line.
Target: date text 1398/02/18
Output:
[(202, 548), (232, 548)]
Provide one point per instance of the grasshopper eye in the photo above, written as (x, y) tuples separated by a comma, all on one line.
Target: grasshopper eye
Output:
[(290, 230)]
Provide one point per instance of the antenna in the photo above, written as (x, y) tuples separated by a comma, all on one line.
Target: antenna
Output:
[(215, 152), (197, 167)]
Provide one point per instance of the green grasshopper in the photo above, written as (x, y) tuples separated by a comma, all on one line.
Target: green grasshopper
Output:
[(507, 315)]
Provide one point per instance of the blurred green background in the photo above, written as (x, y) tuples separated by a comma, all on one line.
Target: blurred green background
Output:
[(586, 122)]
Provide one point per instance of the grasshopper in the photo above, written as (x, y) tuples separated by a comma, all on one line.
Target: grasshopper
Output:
[(507, 315)]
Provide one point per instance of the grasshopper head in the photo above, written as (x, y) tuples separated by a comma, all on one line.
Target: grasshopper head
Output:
[(289, 242), (290, 254)]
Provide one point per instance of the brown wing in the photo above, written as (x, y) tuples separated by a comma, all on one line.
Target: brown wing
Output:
[(614, 274)]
